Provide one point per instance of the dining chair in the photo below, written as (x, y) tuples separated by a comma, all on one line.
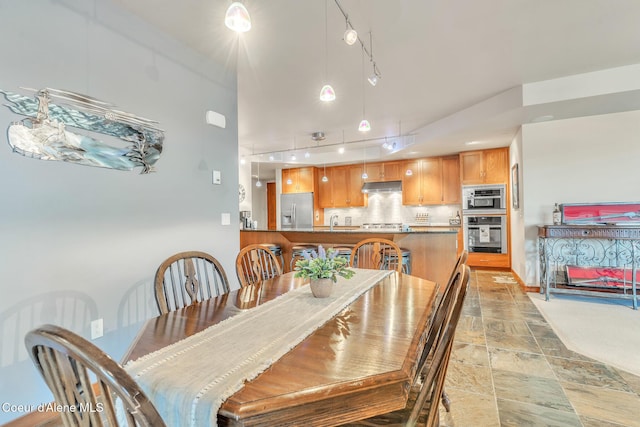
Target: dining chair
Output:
[(426, 392), (187, 277), (376, 253), (256, 263), (82, 376)]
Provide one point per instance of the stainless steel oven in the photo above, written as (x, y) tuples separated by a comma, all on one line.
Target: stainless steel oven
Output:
[(483, 199), (486, 234)]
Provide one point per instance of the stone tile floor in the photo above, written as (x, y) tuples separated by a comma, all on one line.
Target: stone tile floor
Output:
[(508, 368)]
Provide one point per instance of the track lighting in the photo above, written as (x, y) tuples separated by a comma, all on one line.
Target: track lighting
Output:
[(237, 18)]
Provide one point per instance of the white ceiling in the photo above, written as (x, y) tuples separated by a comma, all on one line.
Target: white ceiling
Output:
[(440, 60)]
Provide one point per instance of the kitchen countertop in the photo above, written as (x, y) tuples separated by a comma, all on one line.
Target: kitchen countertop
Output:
[(343, 229)]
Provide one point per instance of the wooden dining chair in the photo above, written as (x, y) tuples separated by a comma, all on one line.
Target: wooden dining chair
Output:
[(378, 254), (426, 391), (187, 277), (82, 376), (256, 263)]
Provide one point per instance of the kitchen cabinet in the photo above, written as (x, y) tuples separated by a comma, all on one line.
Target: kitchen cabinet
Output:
[(485, 166), (343, 189), (298, 180), (451, 191), (384, 171), (431, 182)]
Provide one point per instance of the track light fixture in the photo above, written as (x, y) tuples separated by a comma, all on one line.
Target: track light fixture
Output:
[(351, 36), (237, 18)]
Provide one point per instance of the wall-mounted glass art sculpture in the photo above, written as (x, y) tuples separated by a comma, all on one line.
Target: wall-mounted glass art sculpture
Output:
[(44, 133)]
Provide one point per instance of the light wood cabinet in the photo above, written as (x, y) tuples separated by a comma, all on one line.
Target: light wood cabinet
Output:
[(343, 188), (451, 190), (384, 171), (485, 166), (298, 180), (430, 181)]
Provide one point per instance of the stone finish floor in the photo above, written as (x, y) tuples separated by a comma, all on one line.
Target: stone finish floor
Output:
[(508, 368)]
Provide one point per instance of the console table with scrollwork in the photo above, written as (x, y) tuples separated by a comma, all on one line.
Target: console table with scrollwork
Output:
[(583, 259)]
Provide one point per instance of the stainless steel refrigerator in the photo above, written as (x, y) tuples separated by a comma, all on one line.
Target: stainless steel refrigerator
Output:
[(296, 211)]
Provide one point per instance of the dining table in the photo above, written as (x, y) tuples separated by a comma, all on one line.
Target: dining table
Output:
[(357, 363)]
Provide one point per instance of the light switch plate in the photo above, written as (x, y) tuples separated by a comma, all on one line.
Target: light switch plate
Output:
[(226, 219), (217, 179)]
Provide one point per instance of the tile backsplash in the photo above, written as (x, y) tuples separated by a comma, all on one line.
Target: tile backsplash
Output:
[(388, 208)]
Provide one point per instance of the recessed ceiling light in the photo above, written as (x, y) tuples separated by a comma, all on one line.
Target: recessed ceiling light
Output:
[(544, 118), (473, 142)]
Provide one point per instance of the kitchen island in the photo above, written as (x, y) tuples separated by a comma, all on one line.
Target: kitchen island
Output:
[(433, 249)]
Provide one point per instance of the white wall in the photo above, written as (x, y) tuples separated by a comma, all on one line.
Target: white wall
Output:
[(518, 243), (582, 160), (79, 243)]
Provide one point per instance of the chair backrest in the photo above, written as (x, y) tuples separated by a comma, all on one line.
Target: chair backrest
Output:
[(82, 376), (187, 277), (256, 263), (377, 254), (437, 361), (443, 310)]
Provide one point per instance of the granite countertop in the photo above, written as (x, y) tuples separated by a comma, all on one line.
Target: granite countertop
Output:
[(343, 229)]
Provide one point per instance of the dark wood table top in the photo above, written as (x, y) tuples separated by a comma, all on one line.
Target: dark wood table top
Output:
[(359, 364)]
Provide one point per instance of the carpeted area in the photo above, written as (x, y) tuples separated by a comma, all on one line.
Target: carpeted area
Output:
[(607, 330)]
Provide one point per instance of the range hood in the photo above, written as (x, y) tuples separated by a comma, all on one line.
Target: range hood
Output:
[(382, 187)]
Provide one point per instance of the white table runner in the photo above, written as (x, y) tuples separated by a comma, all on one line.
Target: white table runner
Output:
[(189, 380)]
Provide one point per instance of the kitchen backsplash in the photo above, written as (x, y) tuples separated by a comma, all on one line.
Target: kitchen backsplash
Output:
[(388, 208)]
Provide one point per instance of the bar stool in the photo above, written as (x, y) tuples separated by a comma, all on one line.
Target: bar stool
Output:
[(277, 251), (391, 258), (297, 250)]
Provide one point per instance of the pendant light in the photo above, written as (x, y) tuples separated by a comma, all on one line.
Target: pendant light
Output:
[(324, 176), (237, 18), (364, 164), (364, 124), (258, 182), (327, 93)]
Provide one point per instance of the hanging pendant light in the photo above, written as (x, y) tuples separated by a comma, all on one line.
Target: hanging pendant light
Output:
[(258, 182), (324, 176), (364, 165), (237, 18), (364, 124), (327, 93)]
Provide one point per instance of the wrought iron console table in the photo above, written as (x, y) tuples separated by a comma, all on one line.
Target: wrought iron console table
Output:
[(608, 255)]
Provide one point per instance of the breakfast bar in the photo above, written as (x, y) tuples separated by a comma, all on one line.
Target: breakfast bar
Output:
[(433, 249)]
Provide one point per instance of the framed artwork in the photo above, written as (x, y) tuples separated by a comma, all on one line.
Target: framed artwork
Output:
[(515, 187)]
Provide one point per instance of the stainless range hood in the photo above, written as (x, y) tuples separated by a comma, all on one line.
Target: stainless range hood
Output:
[(382, 187)]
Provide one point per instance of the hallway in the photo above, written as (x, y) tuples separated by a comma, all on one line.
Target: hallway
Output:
[(508, 368)]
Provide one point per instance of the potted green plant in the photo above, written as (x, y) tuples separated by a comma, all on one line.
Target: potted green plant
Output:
[(322, 268)]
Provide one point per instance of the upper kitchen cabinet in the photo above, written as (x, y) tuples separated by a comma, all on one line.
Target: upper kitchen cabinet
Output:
[(298, 180), (451, 191), (430, 181), (343, 188), (384, 171), (485, 167)]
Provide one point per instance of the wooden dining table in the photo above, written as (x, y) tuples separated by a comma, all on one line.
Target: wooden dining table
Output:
[(359, 364)]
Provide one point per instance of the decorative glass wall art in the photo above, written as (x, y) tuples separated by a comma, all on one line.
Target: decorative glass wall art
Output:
[(44, 133)]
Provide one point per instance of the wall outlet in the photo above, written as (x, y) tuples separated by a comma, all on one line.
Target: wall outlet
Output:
[(96, 329)]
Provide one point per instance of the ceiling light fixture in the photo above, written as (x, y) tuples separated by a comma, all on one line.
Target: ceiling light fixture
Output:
[(364, 124), (258, 182), (237, 18), (364, 164), (327, 93), (324, 176), (348, 36)]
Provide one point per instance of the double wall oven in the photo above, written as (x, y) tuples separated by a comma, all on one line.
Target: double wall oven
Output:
[(484, 217)]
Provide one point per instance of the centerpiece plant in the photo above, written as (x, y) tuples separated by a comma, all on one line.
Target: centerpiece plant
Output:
[(322, 265)]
